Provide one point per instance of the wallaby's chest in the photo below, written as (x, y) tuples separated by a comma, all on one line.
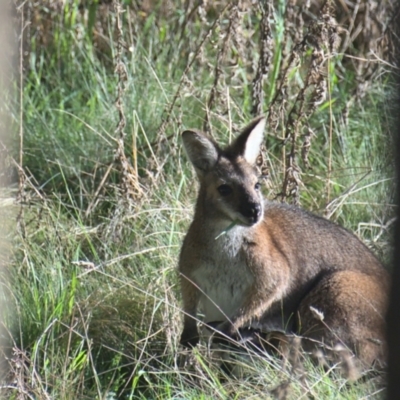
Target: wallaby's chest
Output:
[(223, 277)]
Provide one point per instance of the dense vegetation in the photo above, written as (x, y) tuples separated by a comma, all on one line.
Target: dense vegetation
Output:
[(105, 197)]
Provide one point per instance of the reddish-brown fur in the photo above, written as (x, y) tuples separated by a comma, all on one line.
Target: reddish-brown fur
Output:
[(250, 262)]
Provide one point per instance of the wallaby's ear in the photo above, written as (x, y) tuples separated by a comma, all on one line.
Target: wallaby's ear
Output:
[(202, 151), (248, 143)]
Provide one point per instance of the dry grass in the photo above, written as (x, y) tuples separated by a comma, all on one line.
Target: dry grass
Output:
[(313, 37), (107, 202)]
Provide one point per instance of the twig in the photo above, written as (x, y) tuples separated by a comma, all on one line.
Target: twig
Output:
[(233, 17), (130, 184), (161, 130), (263, 62), (21, 175)]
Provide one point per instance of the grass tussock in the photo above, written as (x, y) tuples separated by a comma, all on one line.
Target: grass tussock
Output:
[(105, 193)]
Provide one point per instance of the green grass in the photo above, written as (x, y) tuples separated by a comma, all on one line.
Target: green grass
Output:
[(93, 302)]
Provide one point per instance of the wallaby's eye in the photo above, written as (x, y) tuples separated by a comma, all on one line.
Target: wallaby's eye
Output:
[(224, 190), (257, 186)]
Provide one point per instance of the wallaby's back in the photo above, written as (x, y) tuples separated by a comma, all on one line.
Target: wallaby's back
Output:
[(248, 262)]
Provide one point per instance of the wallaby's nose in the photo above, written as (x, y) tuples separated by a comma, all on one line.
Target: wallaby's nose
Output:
[(252, 211)]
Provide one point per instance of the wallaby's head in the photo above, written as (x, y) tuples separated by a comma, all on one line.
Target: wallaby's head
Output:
[(229, 184)]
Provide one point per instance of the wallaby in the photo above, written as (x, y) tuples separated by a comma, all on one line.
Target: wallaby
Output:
[(250, 262)]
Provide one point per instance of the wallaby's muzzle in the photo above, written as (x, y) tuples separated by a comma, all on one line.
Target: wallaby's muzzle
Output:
[(252, 212)]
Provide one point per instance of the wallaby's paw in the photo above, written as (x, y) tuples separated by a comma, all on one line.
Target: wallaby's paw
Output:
[(189, 339), (225, 333), (228, 329)]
